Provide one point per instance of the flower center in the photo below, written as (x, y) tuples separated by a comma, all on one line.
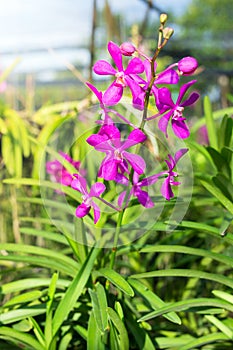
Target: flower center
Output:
[(87, 200), (120, 79), (117, 155), (178, 112)]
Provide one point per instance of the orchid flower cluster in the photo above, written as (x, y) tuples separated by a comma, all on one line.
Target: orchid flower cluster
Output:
[(139, 78)]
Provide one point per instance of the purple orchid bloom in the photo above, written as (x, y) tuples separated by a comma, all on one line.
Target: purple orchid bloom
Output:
[(173, 110), (166, 188), (58, 173), (168, 76), (115, 164), (106, 119), (123, 77), (80, 184), (142, 196)]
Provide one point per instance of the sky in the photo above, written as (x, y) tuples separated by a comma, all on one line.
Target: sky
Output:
[(44, 24)]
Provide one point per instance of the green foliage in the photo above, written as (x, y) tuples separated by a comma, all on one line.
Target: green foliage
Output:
[(166, 290)]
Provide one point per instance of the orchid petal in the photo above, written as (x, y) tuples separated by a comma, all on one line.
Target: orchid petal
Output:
[(116, 54), (144, 198), (110, 131), (97, 189), (103, 67), (180, 128), (163, 122), (121, 198), (113, 94), (79, 184), (164, 97), (166, 189), (194, 96), (180, 154), (95, 139), (136, 161), (96, 210), (183, 90), (170, 76), (96, 92), (82, 210), (135, 66), (109, 169), (150, 180)]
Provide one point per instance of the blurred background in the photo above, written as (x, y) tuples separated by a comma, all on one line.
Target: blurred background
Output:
[(56, 42)]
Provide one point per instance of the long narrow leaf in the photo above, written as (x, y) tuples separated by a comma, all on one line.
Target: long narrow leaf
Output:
[(74, 291)]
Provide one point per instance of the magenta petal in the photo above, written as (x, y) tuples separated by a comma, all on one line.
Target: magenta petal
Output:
[(135, 66), (96, 212), (82, 210), (137, 135), (194, 96), (95, 139), (110, 131), (136, 161), (103, 67), (113, 94), (121, 198), (150, 180), (97, 189), (163, 122), (164, 97), (122, 179), (166, 189), (79, 184), (116, 54), (180, 154), (109, 169), (180, 128), (170, 76), (96, 92), (144, 198), (183, 90)]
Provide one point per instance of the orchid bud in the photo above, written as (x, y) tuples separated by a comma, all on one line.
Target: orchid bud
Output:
[(163, 18), (187, 65), (127, 49), (167, 32)]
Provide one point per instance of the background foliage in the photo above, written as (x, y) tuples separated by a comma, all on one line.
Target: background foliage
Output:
[(169, 290)]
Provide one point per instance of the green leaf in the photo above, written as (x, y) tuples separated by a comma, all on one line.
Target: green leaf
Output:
[(26, 339), (219, 161), (23, 298), (220, 325), (119, 325), (153, 299), (19, 314), (219, 195), (37, 330), (188, 250), (94, 335), (29, 283), (206, 339), (142, 337), (188, 304), (225, 131), (211, 128), (187, 273), (99, 303), (223, 295), (68, 263), (116, 279), (224, 185), (74, 291)]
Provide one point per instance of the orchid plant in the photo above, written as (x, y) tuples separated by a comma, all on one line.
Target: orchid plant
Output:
[(122, 163)]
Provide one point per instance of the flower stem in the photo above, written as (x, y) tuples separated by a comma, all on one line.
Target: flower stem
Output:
[(116, 239)]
